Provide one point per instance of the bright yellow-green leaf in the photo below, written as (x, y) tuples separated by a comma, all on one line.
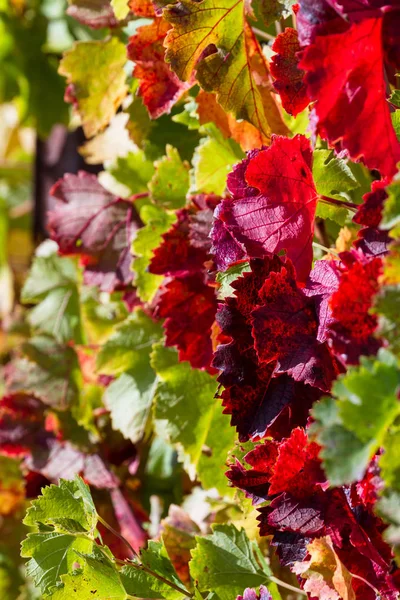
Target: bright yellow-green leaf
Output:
[(237, 71), (95, 72)]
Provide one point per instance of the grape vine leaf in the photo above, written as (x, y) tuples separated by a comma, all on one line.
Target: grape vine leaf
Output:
[(134, 171), (213, 159), (273, 10), (214, 38), (157, 221), (52, 286), (129, 399), (244, 133), (50, 372), (170, 183), (94, 94), (360, 121), (289, 79), (141, 584), (67, 506), (159, 86), (121, 8), (130, 345), (127, 354), (91, 222), (272, 204), (225, 562), (97, 578), (52, 555), (184, 400), (325, 575), (96, 14), (351, 426), (333, 178)]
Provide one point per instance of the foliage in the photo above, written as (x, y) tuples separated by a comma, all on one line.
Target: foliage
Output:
[(200, 368)]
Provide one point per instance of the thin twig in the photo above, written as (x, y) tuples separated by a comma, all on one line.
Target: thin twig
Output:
[(325, 248), (287, 585), (139, 565), (121, 537), (341, 203), (263, 34)]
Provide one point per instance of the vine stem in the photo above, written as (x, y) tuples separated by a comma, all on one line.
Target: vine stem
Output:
[(139, 196), (287, 586), (119, 536), (325, 248), (263, 34), (341, 203), (140, 566)]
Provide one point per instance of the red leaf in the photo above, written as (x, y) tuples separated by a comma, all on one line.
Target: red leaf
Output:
[(345, 76), (353, 327), (288, 77), (21, 424), (272, 204), (177, 256), (258, 400), (159, 87), (188, 306), (95, 14), (285, 330), (370, 212), (91, 222)]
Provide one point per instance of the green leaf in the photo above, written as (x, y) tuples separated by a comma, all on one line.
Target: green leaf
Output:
[(134, 171), (391, 208), (143, 585), (220, 439), (188, 116), (50, 372), (185, 402), (225, 562), (97, 579), (121, 8), (170, 183), (53, 555), (212, 161), (353, 426), (129, 399), (127, 352), (67, 506), (148, 238), (333, 178), (130, 345), (52, 286), (87, 67), (388, 507), (273, 10), (225, 278)]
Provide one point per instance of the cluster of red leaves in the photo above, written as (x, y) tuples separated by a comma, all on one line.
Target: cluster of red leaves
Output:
[(187, 299), (303, 507)]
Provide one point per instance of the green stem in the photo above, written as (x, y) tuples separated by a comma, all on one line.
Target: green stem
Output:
[(119, 536), (325, 248), (139, 565)]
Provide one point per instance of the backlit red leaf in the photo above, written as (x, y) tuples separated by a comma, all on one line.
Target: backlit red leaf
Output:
[(159, 87), (345, 76), (272, 204), (91, 222), (289, 79)]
